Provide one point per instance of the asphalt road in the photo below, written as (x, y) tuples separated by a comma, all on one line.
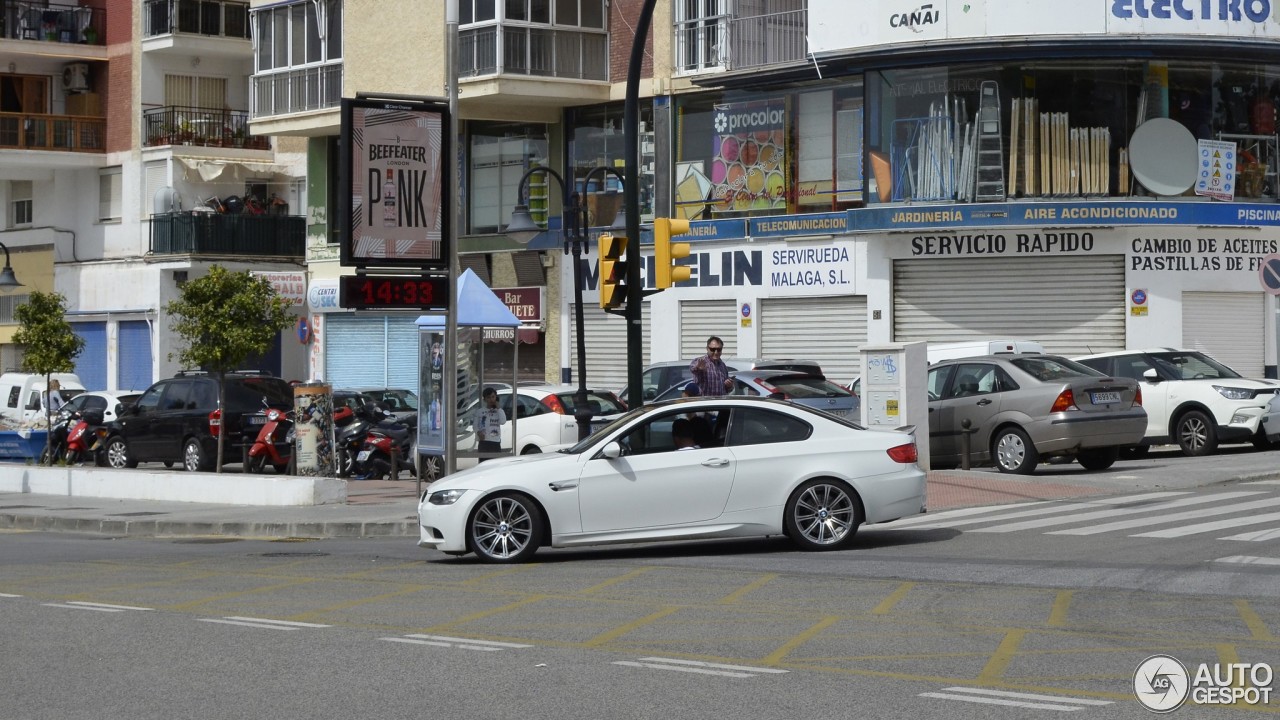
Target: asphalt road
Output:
[(1043, 608)]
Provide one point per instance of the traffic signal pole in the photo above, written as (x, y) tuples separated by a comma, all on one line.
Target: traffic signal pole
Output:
[(631, 197)]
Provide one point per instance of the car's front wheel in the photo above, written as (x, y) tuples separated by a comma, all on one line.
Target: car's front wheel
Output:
[(1196, 434), (1013, 452), (822, 515), (431, 467), (194, 458), (1100, 459), (118, 454), (505, 528)]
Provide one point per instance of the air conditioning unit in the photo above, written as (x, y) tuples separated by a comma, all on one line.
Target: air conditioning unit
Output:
[(75, 77)]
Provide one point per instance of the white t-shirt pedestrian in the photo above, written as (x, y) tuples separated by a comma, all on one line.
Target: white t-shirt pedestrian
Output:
[(489, 424)]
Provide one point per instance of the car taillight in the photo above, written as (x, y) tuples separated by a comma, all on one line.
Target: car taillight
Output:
[(904, 454), (1066, 401), (1137, 397), (215, 422), (552, 403)]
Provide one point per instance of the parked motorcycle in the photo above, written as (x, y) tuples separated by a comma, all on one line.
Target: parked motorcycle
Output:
[(273, 444), (83, 436), (58, 432), (366, 444)]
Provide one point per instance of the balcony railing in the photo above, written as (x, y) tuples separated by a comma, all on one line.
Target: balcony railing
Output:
[(541, 52), (772, 39), (179, 125), (214, 18), (52, 23), (193, 233), (290, 91), (24, 131)]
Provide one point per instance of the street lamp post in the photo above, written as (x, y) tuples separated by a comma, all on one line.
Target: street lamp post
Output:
[(574, 227), (7, 278), (631, 200)]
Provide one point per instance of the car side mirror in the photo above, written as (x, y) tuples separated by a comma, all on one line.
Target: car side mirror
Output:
[(612, 451), (1151, 375)]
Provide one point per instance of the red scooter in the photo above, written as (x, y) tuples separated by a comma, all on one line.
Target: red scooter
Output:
[(274, 443), (83, 436)]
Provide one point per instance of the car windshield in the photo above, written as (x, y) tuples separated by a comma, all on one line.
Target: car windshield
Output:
[(807, 387), (1192, 366), (1049, 369), (606, 403), (605, 431)]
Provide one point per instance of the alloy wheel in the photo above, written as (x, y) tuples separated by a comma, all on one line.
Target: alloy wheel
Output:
[(502, 528), (118, 454), (824, 514)]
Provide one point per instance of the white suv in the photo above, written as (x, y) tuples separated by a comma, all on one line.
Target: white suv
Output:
[(1190, 398)]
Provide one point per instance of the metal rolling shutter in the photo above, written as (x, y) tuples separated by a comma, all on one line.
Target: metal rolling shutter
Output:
[(354, 350), (402, 352), (830, 330), (700, 319), (134, 364), (91, 363), (1228, 327), (1073, 305), (606, 335)]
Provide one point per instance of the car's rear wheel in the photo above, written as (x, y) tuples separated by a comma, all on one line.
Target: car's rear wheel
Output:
[(822, 515), (1013, 452), (431, 467), (118, 454), (1196, 434), (1098, 459), (194, 458), (505, 528)]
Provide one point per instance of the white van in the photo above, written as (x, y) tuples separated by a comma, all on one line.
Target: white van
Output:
[(21, 395), (976, 348)]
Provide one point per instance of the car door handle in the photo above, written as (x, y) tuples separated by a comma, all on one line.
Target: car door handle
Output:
[(715, 462), (566, 485), (983, 402)]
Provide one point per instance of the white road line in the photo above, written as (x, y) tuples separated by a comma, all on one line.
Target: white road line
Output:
[(698, 663), (996, 701), (677, 668), (105, 605), (469, 641), (82, 607), (8, 595), (1066, 507), (433, 643), (1263, 482), (1027, 696), (1249, 560), (1255, 536), (1099, 514), (1212, 526), (1166, 519), (277, 622), (248, 624), (930, 518)]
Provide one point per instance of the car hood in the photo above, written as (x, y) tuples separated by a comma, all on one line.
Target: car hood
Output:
[(1246, 383), (499, 471)]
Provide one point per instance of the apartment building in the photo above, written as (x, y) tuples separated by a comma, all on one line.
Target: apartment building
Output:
[(128, 168)]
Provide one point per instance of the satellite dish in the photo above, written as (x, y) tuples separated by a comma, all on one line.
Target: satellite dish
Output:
[(1163, 155), (166, 201)]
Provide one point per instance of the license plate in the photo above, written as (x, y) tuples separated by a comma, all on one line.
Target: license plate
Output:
[(1104, 398), (363, 455), (257, 420)]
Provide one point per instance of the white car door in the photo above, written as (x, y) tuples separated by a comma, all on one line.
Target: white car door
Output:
[(1155, 392), (653, 484)]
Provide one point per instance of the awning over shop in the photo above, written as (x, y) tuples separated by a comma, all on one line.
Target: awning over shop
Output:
[(477, 307), (228, 170)]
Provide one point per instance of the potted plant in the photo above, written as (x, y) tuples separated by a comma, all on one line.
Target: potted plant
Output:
[(91, 36), (238, 136)]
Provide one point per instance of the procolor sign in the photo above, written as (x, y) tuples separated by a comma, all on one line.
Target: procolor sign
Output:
[(740, 118), (884, 22)]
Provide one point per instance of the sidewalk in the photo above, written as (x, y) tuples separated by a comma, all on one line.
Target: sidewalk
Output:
[(385, 508)]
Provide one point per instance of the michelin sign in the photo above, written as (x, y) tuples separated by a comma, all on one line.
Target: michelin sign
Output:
[(885, 22)]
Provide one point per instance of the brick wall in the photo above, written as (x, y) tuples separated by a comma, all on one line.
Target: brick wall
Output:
[(119, 75), (623, 16)]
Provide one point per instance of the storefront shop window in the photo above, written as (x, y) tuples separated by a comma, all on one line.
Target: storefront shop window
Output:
[(978, 133), (498, 156), (772, 153), (596, 140)]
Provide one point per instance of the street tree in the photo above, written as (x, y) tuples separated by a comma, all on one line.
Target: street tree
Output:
[(49, 344), (225, 318)]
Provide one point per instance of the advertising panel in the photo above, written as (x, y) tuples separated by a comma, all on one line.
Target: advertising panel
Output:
[(749, 169), (431, 392), (394, 188), (313, 428), (898, 22)]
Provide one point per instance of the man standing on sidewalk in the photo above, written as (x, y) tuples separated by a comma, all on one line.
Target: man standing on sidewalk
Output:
[(710, 371)]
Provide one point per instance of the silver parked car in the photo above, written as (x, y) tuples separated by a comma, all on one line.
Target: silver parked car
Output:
[(1025, 408)]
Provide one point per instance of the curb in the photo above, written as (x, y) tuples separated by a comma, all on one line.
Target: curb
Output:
[(162, 528)]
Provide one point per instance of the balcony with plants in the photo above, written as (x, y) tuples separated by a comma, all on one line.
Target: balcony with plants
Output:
[(52, 23), (182, 125), (258, 230)]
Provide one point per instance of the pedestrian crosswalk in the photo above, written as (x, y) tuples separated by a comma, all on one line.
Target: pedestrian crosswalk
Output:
[(1234, 515)]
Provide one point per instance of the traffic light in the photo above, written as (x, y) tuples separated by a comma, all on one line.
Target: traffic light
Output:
[(613, 271), (667, 252)]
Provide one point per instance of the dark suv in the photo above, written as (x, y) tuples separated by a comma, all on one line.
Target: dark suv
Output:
[(177, 420)]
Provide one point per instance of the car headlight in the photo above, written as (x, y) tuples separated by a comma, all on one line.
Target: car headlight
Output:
[(1234, 393), (445, 497)]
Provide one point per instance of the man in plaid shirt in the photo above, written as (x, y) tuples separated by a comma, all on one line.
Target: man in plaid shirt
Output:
[(710, 371)]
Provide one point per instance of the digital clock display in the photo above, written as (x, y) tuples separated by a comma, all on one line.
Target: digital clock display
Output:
[(392, 292)]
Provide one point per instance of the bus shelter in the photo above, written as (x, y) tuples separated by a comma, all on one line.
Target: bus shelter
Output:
[(478, 308)]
